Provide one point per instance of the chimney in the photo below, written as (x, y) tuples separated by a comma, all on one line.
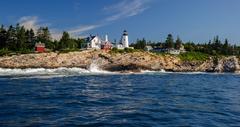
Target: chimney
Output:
[(106, 37)]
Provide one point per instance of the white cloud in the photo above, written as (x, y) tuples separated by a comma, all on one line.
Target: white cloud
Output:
[(56, 34), (126, 8), (32, 22), (75, 32), (81, 29), (123, 9), (29, 22), (78, 31)]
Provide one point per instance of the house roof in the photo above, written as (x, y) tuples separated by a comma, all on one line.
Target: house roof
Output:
[(39, 44), (106, 43), (88, 39)]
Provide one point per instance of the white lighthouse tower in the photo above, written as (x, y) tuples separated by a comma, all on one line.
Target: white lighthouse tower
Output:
[(124, 39)]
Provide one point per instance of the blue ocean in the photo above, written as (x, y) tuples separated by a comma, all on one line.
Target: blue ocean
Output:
[(77, 97)]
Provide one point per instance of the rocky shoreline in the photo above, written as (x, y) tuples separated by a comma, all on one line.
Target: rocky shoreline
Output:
[(120, 62)]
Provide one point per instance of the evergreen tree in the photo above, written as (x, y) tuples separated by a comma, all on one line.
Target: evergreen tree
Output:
[(80, 42), (21, 38), (178, 43), (189, 46), (66, 42), (3, 37), (169, 41), (11, 41), (31, 39), (225, 48), (56, 45), (140, 44), (44, 36), (217, 46)]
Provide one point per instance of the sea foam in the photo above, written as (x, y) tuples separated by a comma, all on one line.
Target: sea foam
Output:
[(56, 71), (93, 69)]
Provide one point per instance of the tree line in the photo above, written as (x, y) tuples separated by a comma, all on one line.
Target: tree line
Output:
[(19, 39), (169, 43), (213, 47)]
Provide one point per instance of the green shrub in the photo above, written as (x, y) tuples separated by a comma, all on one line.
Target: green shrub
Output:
[(26, 51), (115, 50), (194, 56), (160, 53), (126, 50), (129, 50), (68, 50), (4, 52)]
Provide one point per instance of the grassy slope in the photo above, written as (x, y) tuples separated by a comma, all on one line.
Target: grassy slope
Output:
[(194, 56)]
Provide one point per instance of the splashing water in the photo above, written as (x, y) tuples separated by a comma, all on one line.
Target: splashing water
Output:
[(63, 71), (42, 71), (94, 67)]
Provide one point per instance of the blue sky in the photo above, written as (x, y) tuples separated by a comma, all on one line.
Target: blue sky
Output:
[(195, 20)]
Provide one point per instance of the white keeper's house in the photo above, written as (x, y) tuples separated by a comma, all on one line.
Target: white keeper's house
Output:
[(95, 42)]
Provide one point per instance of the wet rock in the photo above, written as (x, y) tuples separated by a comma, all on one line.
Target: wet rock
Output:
[(135, 61)]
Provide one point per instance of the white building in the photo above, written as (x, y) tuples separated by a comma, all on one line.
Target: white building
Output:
[(148, 48), (182, 49), (173, 51), (124, 41), (94, 42), (106, 45)]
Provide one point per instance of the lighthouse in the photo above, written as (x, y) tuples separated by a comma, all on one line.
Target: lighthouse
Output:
[(125, 39)]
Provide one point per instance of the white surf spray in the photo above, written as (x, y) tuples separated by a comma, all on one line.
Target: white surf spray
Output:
[(42, 71), (94, 68), (148, 71), (162, 71)]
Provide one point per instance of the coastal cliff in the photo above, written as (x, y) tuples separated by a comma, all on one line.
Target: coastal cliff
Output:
[(120, 62)]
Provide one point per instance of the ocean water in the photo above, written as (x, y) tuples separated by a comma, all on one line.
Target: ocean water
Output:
[(77, 97)]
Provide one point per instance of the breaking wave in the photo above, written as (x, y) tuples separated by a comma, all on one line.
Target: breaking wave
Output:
[(162, 71), (43, 71), (148, 71), (92, 70)]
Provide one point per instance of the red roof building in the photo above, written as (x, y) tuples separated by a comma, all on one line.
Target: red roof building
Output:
[(39, 47), (106, 46)]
